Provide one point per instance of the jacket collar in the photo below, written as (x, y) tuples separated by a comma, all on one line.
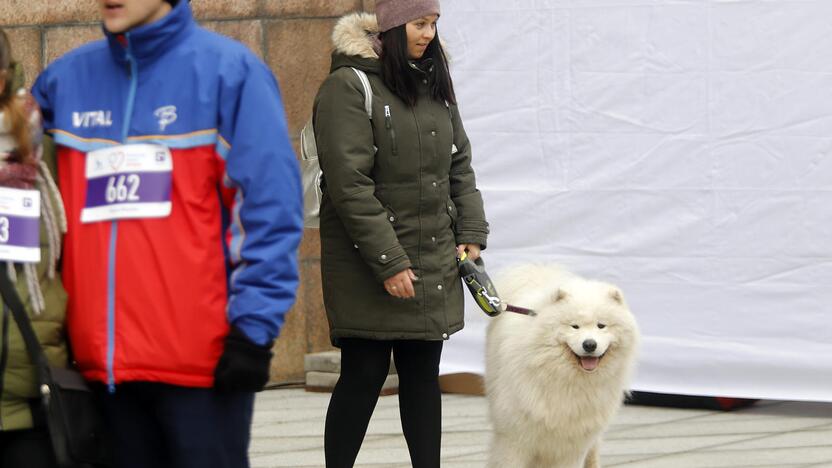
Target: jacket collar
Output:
[(149, 41)]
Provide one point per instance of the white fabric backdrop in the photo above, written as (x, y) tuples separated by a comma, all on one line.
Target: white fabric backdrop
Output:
[(680, 149)]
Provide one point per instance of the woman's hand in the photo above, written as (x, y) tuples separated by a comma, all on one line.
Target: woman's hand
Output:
[(401, 284), (472, 249)]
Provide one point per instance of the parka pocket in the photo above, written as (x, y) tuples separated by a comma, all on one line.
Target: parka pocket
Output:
[(391, 132)]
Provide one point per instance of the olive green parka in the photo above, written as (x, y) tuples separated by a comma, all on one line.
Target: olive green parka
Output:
[(18, 380), (399, 192)]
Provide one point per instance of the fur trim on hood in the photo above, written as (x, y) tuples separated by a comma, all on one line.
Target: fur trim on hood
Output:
[(356, 34)]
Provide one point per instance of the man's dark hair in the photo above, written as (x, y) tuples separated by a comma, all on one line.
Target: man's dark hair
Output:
[(402, 80)]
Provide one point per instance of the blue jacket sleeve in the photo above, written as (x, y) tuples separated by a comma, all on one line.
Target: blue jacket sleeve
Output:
[(267, 214)]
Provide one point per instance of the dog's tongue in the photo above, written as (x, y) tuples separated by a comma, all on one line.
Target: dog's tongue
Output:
[(589, 362)]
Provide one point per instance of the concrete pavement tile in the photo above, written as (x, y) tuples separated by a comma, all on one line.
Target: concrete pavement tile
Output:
[(665, 445), (480, 438), (289, 424), (289, 414), (480, 456), (289, 459), (394, 454), (290, 398), (618, 460), (288, 429), (272, 445), (780, 465), (705, 427), (472, 422), (811, 438), (459, 464), (734, 458), (633, 414), (826, 464)]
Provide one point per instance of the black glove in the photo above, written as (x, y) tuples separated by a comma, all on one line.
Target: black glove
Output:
[(243, 366)]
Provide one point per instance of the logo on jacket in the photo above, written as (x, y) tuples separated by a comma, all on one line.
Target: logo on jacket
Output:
[(90, 119), (166, 116)]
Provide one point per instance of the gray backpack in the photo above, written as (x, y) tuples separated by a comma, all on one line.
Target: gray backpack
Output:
[(310, 168)]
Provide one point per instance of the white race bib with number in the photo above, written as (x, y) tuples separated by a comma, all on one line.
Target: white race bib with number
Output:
[(19, 225), (128, 182)]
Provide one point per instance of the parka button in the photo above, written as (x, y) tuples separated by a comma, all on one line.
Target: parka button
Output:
[(355, 245), (439, 287), (444, 336), (433, 133), (433, 238), (392, 218), (383, 257), (424, 81), (434, 184)]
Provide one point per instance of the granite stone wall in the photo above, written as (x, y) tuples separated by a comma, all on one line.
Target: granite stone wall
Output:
[(292, 37)]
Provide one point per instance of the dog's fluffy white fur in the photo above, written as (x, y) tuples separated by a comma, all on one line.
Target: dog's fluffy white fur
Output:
[(550, 393)]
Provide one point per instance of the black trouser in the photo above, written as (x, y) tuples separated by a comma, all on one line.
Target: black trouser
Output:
[(30, 448), (164, 426), (364, 366)]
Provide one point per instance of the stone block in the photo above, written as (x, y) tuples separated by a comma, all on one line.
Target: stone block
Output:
[(317, 326), (328, 361), (66, 38), (39, 12), (224, 9), (310, 247), (307, 8), (248, 32), (463, 383), (290, 348), (298, 52), (26, 49)]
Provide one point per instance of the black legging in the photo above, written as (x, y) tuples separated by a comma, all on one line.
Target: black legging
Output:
[(364, 366)]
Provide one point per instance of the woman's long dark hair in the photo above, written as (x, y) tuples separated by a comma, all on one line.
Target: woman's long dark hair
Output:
[(398, 76)]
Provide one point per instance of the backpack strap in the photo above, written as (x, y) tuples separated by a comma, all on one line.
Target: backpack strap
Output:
[(368, 91)]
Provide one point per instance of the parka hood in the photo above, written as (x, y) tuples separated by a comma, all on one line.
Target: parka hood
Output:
[(354, 39)]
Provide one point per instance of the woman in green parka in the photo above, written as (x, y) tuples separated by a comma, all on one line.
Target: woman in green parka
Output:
[(24, 440), (400, 204)]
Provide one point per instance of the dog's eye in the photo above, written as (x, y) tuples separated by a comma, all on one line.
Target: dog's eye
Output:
[(575, 327), (602, 326)]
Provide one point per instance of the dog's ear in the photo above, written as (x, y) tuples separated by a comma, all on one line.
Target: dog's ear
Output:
[(560, 295), (616, 296)]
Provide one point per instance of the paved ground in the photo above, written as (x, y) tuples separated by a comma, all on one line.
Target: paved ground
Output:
[(288, 428)]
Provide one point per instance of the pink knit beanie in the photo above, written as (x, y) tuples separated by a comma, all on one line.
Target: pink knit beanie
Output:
[(392, 13)]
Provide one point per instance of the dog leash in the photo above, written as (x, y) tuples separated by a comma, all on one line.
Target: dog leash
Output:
[(485, 294)]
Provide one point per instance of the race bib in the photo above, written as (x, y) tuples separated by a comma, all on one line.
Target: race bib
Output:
[(128, 182), (19, 225)]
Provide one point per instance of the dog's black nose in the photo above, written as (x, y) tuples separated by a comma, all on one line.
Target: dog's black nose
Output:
[(590, 345)]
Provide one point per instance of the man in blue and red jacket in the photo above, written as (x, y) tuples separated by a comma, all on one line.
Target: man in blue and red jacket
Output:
[(184, 207)]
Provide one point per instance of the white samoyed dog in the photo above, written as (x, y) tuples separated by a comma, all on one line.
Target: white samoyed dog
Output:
[(554, 381)]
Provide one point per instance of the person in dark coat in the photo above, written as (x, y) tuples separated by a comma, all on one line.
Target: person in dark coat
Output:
[(400, 204)]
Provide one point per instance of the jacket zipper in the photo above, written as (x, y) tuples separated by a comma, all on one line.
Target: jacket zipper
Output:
[(388, 123), (132, 68), (4, 353)]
